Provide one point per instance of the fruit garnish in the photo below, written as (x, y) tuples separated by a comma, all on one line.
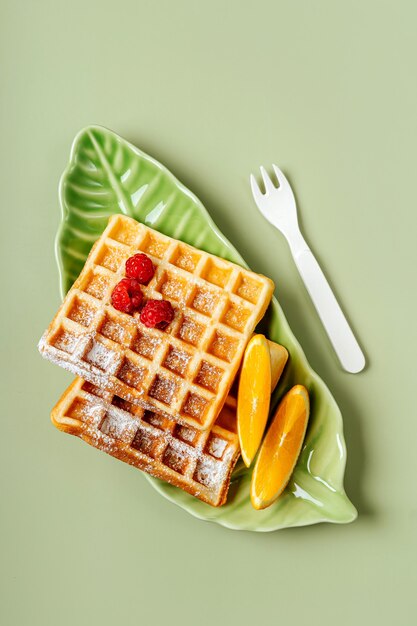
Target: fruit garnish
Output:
[(127, 295), (157, 313), (140, 267), (279, 358), (281, 448), (253, 397)]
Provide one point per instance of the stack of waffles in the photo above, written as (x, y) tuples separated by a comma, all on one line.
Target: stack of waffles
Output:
[(158, 399)]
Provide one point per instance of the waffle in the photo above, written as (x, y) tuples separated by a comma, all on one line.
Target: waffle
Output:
[(200, 462), (183, 372)]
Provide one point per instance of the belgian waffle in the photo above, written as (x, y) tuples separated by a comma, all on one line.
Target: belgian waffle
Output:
[(199, 462), (183, 372)]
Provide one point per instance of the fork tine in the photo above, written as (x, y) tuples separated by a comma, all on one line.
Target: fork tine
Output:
[(283, 182), (256, 192), (269, 185)]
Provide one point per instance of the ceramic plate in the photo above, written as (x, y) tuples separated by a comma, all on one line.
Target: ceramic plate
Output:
[(107, 175)]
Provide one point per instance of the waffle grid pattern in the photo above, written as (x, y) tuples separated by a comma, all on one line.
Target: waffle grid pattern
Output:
[(200, 462), (183, 372)]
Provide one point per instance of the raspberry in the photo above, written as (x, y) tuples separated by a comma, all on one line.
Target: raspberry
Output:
[(127, 295), (140, 267), (157, 313)]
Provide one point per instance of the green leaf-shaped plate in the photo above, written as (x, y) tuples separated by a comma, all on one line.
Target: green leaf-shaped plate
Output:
[(107, 175)]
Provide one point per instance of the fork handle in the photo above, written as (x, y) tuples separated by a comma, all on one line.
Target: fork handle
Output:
[(340, 334)]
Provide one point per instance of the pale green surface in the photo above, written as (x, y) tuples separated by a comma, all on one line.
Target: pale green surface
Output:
[(325, 89), (105, 175)]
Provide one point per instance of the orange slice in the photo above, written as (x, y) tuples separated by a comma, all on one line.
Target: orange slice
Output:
[(281, 448), (279, 357), (253, 396)]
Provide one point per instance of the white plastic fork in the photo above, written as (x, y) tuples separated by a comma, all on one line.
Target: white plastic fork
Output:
[(278, 206)]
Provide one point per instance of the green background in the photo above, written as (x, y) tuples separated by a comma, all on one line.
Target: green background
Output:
[(325, 89)]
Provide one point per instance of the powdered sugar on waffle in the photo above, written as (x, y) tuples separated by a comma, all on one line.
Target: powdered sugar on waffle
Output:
[(118, 428), (217, 447), (67, 342), (101, 357), (70, 361), (86, 337), (119, 425)]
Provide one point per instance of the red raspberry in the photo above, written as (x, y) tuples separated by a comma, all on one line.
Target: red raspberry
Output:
[(140, 267), (157, 314), (127, 295)]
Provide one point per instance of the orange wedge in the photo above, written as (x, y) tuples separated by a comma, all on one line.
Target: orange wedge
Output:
[(253, 396), (279, 356), (281, 448)]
